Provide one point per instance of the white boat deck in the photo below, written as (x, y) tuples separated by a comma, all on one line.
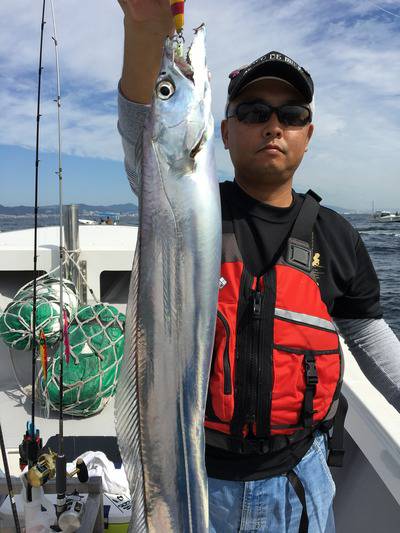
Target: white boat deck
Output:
[(374, 425), (94, 238), (104, 248)]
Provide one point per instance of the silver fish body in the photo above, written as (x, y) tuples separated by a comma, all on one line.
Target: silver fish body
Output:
[(171, 313)]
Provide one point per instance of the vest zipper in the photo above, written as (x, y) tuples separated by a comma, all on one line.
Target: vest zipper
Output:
[(253, 391), (246, 370), (226, 362), (265, 343)]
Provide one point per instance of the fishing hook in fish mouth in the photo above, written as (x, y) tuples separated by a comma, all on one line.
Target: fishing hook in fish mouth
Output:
[(178, 41), (178, 37)]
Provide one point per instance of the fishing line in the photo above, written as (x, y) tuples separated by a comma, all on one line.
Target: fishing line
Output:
[(61, 483), (31, 444), (36, 215)]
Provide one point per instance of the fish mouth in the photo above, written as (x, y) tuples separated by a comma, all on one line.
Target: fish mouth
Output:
[(186, 79), (195, 56), (184, 67), (199, 145)]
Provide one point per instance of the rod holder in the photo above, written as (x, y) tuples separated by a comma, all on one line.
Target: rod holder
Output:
[(71, 237)]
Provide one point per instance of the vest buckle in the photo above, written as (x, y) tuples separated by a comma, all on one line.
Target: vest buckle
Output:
[(299, 254), (311, 373)]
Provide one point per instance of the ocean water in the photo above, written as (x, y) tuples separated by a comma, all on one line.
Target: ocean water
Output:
[(382, 240)]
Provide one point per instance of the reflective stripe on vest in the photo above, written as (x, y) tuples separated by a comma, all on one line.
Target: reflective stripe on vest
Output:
[(302, 318)]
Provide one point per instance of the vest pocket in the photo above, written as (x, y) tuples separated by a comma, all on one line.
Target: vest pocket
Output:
[(225, 355), (304, 385), (220, 387)]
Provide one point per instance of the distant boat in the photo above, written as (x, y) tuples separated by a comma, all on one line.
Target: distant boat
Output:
[(87, 222), (101, 217), (386, 216)]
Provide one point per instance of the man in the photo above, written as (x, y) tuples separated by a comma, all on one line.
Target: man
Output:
[(289, 268)]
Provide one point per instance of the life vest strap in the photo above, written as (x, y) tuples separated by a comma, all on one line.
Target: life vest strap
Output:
[(336, 435), (299, 247), (246, 446), (311, 382), (297, 485)]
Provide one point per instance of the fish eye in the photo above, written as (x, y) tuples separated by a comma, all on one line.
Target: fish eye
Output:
[(165, 89)]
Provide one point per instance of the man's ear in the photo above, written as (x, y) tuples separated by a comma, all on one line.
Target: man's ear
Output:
[(224, 133), (309, 135)]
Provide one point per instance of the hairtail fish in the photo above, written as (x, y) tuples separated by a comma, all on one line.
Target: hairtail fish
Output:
[(171, 311)]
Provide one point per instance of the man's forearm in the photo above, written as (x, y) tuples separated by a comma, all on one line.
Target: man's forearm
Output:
[(143, 46), (131, 119), (377, 351)]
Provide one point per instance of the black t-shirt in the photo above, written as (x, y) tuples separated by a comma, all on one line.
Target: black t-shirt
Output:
[(346, 277)]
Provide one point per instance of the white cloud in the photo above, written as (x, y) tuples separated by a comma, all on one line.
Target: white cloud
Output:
[(350, 48)]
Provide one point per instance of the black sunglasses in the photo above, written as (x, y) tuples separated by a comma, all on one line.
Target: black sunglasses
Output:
[(258, 112)]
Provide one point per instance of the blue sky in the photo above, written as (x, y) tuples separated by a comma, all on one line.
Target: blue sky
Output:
[(87, 180), (350, 47)]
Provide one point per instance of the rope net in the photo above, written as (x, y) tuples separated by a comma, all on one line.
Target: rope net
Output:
[(96, 338), (16, 321)]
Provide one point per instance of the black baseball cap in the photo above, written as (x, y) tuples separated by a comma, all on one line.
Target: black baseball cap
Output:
[(272, 65)]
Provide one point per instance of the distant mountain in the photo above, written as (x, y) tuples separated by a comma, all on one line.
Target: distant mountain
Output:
[(17, 210), (117, 208), (22, 210), (340, 210), (85, 209)]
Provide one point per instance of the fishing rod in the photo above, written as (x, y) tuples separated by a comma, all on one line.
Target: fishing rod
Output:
[(61, 475), (9, 483), (31, 441), (49, 464), (68, 511)]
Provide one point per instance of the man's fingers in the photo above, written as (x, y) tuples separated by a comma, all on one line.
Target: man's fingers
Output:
[(148, 11)]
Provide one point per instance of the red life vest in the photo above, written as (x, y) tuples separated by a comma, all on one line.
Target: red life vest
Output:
[(277, 366)]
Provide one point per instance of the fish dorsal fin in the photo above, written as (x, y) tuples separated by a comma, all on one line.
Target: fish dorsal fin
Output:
[(127, 417)]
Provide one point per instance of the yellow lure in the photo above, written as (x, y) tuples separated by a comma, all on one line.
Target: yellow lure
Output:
[(43, 352), (178, 11)]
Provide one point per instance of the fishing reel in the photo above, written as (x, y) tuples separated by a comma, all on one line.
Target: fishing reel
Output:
[(80, 471), (69, 514), (45, 469)]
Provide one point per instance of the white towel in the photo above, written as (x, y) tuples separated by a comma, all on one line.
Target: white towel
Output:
[(114, 479)]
